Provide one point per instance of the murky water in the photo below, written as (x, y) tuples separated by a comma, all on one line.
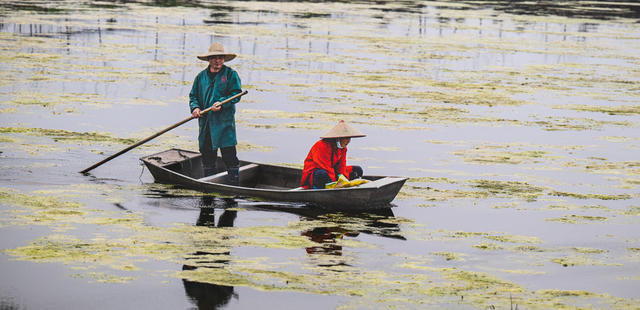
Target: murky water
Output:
[(518, 125)]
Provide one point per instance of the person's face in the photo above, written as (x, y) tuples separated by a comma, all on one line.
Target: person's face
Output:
[(215, 63), (344, 142)]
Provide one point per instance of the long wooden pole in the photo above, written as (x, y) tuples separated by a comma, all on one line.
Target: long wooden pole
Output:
[(147, 139)]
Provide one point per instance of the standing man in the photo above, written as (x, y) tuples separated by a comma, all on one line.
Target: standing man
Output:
[(217, 128)]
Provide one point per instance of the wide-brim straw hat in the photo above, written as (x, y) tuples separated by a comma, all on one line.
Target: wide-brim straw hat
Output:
[(216, 49), (343, 130)]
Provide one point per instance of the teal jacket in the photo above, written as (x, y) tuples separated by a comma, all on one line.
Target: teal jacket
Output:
[(208, 89)]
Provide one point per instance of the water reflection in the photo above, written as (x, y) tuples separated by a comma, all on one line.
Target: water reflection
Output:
[(379, 222), (8, 303), (326, 238), (338, 226), (207, 295), (603, 9), (328, 230)]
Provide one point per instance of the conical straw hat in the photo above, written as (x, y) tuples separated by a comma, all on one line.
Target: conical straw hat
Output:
[(342, 130), (216, 49)]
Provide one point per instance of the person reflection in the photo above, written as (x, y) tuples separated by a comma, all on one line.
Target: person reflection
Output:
[(327, 238), (207, 295), (377, 222)]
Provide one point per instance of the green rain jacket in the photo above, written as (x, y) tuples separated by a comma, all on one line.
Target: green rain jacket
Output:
[(208, 89)]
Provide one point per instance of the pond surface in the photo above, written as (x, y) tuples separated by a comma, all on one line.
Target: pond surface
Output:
[(517, 124)]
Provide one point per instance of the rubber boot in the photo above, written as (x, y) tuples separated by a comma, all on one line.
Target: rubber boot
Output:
[(233, 176)]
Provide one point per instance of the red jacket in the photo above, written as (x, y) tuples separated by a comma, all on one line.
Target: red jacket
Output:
[(326, 155)]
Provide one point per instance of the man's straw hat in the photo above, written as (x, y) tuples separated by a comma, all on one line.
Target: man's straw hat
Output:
[(343, 130), (216, 49)]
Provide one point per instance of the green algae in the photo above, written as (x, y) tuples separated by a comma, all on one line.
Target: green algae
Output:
[(13, 197), (632, 210), (66, 249), (4, 139), (588, 250), (429, 193), (514, 239), (449, 255), (103, 277), (464, 234), (75, 190), (39, 149), (617, 110), (452, 103), (66, 136), (8, 110), (578, 219), (575, 123), (54, 99), (518, 189), (567, 207), (431, 180), (62, 215), (469, 287), (629, 183), (591, 196), (246, 274), (218, 276), (263, 236), (623, 168), (505, 206), (253, 273), (570, 261), (496, 157), (478, 280), (488, 246), (564, 293), (116, 254), (530, 248)]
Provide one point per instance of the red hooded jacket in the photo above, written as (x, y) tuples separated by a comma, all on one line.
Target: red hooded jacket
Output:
[(325, 155)]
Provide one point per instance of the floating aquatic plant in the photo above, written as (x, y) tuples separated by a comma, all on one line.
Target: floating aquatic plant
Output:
[(67, 136)]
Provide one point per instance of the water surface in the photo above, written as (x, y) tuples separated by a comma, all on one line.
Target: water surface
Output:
[(517, 124)]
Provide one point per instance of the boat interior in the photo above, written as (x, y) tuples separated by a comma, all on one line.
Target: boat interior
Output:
[(253, 175)]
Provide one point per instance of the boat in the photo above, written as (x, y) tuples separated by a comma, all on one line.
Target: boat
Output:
[(269, 182)]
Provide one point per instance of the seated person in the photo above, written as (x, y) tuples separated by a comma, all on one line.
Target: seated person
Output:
[(327, 158)]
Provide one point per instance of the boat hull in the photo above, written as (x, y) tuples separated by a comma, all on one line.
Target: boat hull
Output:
[(269, 182)]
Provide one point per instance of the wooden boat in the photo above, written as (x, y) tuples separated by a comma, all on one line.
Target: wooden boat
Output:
[(269, 182)]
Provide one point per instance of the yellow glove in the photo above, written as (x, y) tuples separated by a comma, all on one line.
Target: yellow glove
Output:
[(344, 182), (357, 182)]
